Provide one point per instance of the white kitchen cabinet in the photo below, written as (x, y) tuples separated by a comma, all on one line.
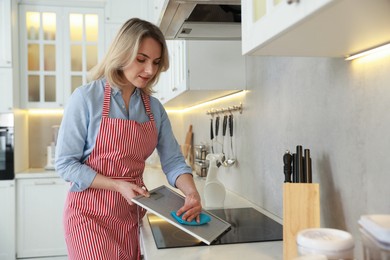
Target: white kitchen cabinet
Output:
[(40, 204), (172, 82), (58, 46), (329, 28), (119, 11), (5, 34), (201, 71), (6, 90), (7, 220), (155, 10)]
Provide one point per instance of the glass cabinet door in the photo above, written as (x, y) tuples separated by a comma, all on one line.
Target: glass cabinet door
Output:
[(41, 43), (83, 46), (59, 45)]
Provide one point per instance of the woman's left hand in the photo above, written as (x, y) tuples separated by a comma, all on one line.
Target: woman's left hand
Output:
[(192, 207)]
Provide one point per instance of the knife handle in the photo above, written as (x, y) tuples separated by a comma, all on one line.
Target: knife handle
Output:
[(307, 166), (287, 159), (211, 129), (299, 164), (224, 125), (231, 125), (216, 125), (294, 169)]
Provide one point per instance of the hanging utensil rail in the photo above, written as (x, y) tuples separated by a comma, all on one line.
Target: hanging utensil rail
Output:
[(223, 110)]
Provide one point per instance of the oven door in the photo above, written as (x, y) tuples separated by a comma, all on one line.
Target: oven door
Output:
[(6, 153)]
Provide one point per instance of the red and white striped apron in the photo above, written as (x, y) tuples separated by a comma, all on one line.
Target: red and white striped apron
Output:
[(100, 224)]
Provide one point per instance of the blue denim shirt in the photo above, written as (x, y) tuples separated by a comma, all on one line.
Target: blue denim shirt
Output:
[(80, 127)]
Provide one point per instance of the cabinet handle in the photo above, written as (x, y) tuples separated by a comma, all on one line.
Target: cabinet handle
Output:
[(292, 1), (8, 62), (44, 182)]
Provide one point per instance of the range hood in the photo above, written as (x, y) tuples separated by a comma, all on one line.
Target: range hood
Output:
[(202, 19)]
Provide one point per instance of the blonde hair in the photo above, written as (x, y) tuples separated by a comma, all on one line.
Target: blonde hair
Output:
[(123, 50)]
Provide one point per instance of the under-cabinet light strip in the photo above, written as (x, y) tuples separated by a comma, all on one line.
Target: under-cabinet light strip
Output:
[(207, 103), (385, 47), (214, 101), (45, 111)]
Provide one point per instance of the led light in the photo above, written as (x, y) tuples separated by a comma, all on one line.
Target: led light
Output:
[(384, 48), (207, 103), (46, 111)]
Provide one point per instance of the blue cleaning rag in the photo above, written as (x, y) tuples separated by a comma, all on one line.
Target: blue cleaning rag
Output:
[(204, 218)]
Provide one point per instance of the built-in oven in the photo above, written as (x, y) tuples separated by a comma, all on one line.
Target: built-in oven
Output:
[(6, 146)]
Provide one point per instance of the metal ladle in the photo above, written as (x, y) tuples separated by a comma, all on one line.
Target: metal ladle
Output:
[(224, 128), (231, 161)]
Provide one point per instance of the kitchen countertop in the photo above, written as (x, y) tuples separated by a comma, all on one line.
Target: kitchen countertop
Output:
[(153, 177), (36, 173)]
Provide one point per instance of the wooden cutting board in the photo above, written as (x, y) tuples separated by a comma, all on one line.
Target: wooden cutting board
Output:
[(188, 142)]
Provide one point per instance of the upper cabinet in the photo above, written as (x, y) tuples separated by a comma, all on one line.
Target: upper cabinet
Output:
[(58, 45), (201, 71), (119, 11), (328, 28), (5, 34)]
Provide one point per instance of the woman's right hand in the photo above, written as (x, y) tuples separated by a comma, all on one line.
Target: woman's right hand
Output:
[(129, 190)]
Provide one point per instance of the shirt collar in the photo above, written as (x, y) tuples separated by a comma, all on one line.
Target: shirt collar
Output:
[(116, 91)]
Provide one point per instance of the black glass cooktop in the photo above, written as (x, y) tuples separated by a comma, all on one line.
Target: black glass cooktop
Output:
[(248, 225)]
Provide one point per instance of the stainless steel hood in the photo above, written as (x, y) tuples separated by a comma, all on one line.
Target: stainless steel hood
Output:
[(202, 19)]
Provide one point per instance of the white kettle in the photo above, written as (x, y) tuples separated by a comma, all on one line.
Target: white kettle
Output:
[(214, 190)]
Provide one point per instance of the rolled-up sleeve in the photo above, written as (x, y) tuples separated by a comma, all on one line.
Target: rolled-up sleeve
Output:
[(71, 142), (172, 161)]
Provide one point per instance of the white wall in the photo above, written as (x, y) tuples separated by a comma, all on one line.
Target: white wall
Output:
[(337, 109)]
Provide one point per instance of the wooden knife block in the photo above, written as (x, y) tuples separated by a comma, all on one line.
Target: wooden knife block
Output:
[(301, 210)]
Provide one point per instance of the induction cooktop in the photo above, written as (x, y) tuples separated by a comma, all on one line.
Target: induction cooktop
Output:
[(247, 225)]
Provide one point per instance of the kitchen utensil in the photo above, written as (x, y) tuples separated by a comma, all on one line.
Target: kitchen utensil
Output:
[(224, 128), (188, 142), (299, 163), (307, 166), (231, 160), (287, 159), (212, 135), (219, 162), (216, 132), (301, 210), (294, 170)]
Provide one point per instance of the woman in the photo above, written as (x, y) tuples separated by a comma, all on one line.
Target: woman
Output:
[(109, 128)]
